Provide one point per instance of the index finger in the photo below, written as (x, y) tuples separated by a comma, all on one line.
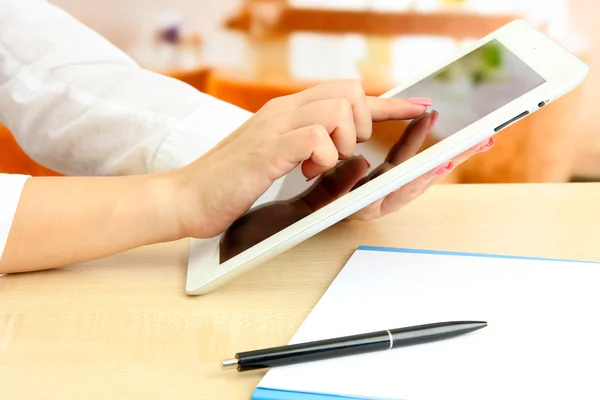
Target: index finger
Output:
[(353, 91), (383, 109)]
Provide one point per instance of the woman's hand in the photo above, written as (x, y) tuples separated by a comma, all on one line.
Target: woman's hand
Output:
[(263, 222), (314, 128), (65, 220), (352, 173), (408, 146)]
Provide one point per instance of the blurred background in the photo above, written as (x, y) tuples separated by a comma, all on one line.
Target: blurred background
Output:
[(249, 51)]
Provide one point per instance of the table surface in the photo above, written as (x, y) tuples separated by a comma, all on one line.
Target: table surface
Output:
[(123, 328)]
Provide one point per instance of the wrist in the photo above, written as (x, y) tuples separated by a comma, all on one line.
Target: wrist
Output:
[(191, 213), (163, 191)]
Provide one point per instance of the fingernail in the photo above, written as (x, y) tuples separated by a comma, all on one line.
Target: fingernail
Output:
[(434, 117), (490, 143), (420, 101), (445, 169), (366, 161), (310, 179)]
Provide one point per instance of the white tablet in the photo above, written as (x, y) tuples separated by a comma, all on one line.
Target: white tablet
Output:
[(488, 86)]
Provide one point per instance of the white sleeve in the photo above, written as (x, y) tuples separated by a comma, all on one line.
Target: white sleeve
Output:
[(80, 106), (11, 187)]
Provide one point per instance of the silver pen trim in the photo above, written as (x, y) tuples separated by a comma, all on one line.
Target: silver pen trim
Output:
[(229, 363), (391, 338)]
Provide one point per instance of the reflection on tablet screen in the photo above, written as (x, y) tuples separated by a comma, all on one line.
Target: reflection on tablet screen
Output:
[(463, 92)]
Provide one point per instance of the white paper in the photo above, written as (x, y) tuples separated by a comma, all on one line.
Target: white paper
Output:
[(542, 341)]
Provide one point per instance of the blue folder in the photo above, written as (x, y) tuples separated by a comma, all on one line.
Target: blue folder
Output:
[(272, 394)]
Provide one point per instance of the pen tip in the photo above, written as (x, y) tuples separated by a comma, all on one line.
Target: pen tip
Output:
[(470, 326), (483, 324)]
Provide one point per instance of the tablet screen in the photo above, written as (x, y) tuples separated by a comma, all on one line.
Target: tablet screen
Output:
[(463, 92)]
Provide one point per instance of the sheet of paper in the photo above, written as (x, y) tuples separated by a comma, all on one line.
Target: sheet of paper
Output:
[(543, 340)]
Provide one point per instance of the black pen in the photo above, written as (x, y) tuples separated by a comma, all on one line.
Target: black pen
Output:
[(349, 345)]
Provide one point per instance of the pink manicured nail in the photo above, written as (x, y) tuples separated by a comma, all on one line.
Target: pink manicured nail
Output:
[(420, 101), (434, 117), (445, 169), (366, 161), (490, 143)]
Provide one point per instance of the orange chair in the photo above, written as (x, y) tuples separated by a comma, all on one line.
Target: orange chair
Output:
[(13, 159)]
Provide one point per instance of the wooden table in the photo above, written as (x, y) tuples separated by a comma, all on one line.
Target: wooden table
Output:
[(122, 327)]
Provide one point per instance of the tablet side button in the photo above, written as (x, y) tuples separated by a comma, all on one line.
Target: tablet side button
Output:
[(504, 125)]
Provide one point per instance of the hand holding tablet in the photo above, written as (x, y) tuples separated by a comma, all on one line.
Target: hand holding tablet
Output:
[(488, 86), (262, 222), (313, 130)]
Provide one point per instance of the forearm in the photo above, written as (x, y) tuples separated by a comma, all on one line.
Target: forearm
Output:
[(61, 221)]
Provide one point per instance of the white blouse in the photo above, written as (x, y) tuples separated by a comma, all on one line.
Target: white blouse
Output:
[(80, 106)]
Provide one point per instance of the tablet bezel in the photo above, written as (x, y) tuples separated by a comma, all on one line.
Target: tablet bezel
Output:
[(562, 73)]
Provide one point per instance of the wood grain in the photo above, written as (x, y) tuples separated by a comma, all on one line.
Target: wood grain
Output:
[(122, 327)]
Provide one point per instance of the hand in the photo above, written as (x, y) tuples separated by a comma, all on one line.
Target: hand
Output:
[(314, 128), (263, 222), (351, 175), (407, 147)]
